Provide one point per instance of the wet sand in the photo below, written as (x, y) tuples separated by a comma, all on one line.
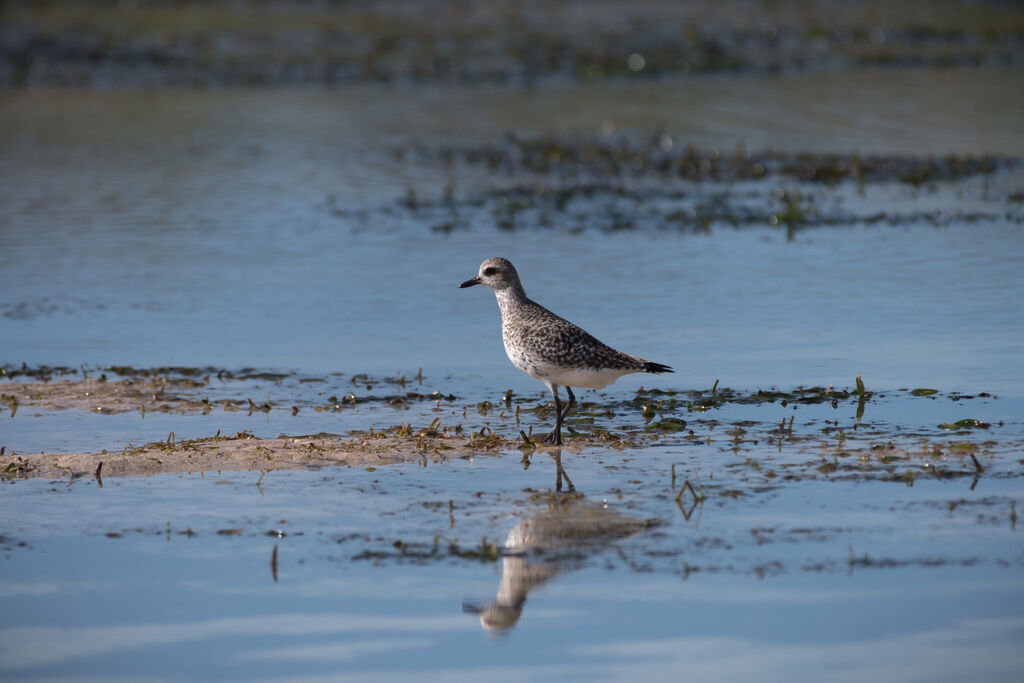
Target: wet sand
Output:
[(882, 449), (150, 392), (244, 452)]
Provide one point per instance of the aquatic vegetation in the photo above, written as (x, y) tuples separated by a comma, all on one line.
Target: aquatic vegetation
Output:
[(659, 182), (42, 373), (967, 423), (178, 389), (838, 443), (670, 424), (661, 155)]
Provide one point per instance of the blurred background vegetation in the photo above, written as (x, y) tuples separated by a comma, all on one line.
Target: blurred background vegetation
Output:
[(246, 43)]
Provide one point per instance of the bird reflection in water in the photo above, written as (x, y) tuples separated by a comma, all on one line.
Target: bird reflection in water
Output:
[(557, 539)]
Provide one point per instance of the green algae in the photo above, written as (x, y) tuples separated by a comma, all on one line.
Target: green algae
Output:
[(966, 423)]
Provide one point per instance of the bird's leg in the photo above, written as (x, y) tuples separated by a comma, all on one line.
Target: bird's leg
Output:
[(572, 402), (568, 407), (554, 438)]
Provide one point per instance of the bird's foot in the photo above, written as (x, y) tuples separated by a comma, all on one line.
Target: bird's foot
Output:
[(554, 438)]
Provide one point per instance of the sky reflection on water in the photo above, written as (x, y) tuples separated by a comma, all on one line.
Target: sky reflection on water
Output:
[(208, 605)]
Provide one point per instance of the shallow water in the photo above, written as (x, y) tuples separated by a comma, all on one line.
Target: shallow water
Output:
[(745, 307), (425, 568), (276, 231), (172, 229), (178, 570)]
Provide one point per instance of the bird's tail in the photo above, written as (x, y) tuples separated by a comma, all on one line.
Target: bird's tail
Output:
[(656, 368)]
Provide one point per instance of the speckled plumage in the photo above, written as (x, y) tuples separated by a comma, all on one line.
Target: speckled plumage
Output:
[(540, 343), (549, 347)]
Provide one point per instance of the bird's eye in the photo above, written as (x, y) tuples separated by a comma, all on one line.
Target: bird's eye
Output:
[(490, 271)]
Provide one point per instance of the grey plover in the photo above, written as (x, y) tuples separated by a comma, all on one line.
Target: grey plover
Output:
[(550, 348)]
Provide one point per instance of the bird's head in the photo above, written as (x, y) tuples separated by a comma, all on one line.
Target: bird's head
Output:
[(496, 273)]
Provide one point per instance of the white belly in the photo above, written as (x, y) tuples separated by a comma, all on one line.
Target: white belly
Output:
[(584, 377), (548, 373)]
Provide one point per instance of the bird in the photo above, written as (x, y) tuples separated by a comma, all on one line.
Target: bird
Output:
[(550, 348)]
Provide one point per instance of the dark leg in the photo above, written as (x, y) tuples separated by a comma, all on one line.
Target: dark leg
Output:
[(554, 438), (571, 404)]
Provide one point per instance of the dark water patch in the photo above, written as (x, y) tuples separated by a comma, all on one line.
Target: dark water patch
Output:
[(28, 310)]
